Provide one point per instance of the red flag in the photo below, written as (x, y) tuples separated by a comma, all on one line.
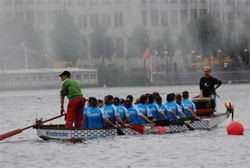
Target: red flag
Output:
[(146, 54)]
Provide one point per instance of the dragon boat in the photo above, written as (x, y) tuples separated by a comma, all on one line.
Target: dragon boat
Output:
[(59, 132), (208, 120)]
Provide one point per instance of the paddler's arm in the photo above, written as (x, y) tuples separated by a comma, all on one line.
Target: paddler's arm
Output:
[(201, 94), (144, 118), (192, 113), (182, 114), (173, 114), (62, 103), (106, 120), (127, 119), (164, 116), (118, 119)]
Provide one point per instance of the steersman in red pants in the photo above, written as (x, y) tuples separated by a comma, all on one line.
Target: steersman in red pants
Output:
[(72, 90)]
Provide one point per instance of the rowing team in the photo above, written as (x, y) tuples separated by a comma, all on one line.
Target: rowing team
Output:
[(148, 108)]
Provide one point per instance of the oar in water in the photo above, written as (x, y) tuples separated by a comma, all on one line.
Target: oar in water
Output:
[(18, 131)]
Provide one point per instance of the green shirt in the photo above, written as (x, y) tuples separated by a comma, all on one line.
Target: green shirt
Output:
[(71, 89)]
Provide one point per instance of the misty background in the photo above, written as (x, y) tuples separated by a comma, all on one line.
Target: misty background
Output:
[(112, 36)]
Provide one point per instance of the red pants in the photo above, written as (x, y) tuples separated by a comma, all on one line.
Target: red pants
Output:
[(75, 113)]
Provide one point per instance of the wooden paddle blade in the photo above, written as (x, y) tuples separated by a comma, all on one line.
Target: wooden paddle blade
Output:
[(9, 134), (137, 128), (161, 129), (119, 132)]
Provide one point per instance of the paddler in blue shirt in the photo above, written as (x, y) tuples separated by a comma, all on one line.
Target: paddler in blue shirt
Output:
[(134, 114), (162, 108), (172, 106), (95, 116), (121, 110), (190, 109), (154, 108), (142, 107), (111, 112)]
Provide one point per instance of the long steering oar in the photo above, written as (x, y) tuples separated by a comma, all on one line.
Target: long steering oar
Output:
[(18, 131)]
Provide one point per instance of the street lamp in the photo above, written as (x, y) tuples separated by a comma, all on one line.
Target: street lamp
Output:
[(219, 51)]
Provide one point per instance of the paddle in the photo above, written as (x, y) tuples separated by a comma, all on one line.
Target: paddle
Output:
[(137, 128), (18, 131)]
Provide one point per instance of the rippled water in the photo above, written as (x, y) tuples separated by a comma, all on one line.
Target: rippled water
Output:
[(199, 148)]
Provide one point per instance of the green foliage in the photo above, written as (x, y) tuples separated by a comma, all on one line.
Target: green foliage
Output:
[(66, 38), (101, 44), (139, 41), (115, 77)]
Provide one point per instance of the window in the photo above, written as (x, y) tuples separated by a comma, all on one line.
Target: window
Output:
[(94, 20), (119, 47), (70, 2), (8, 15), (18, 2), (143, 3), (19, 15), (193, 14), (41, 17), (118, 19), (203, 2), (82, 21), (105, 2), (231, 16), (173, 17), (82, 3), (174, 3), (8, 2), (203, 12), (184, 16), (154, 18), (144, 17), (106, 19), (53, 15), (30, 17), (216, 3), (193, 3), (93, 2), (184, 3), (164, 18), (28, 2), (231, 2)]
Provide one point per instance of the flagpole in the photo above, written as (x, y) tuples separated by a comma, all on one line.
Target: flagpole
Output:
[(25, 54), (151, 69)]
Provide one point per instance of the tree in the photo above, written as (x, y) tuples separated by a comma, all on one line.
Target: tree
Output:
[(13, 34), (101, 45), (66, 39), (207, 34), (139, 41)]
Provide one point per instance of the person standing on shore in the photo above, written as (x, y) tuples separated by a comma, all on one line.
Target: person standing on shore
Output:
[(75, 109), (207, 84)]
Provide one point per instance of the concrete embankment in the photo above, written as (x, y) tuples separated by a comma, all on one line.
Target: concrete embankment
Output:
[(194, 78)]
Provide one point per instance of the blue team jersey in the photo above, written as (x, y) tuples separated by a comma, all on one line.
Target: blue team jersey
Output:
[(154, 110), (182, 107), (142, 108), (95, 117), (190, 105), (110, 113), (122, 111), (84, 124), (174, 107), (164, 109), (133, 115)]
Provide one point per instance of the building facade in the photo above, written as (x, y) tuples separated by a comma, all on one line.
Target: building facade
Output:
[(121, 17)]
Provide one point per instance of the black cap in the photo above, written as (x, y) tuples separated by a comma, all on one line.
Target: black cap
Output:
[(116, 101), (129, 97), (170, 97), (127, 104), (85, 99), (108, 98), (65, 73), (122, 101), (92, 101), (173, 95), (158, 98)]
